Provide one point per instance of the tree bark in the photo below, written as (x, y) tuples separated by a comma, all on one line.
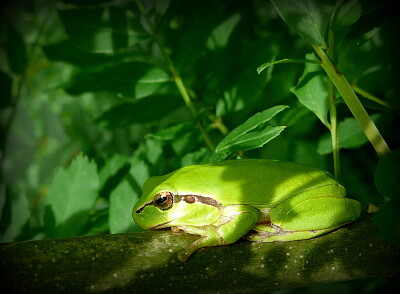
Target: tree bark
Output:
[(147, 263)]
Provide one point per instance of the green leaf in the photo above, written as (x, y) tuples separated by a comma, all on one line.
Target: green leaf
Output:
[(308, 18), (312, 90), (252, 140), (220, 35), (350, 136), (70, 198), (145, 110), (242, 139), (346, 15)]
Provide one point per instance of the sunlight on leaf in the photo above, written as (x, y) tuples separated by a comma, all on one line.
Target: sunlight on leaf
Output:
[(240, 137)]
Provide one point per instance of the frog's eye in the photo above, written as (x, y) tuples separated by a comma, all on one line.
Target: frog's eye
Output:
[(164, 200)]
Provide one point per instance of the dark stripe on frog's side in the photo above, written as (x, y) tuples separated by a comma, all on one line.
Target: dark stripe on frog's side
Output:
[(188, 199), (197, 198)]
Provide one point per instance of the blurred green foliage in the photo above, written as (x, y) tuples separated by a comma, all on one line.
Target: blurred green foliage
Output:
[(96, 96)]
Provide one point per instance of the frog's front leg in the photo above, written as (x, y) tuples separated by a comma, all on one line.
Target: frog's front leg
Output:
[(235, 221)]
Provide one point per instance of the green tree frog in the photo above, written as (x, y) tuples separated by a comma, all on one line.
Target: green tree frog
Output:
[(259, 199)]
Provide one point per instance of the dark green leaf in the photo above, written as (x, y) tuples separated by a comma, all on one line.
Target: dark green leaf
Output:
[(308, 18), (71, 196), (346, 15), (132, 79), (67, 51), (145, 110)]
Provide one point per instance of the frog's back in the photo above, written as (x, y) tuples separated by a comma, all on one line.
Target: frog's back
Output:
[(257, 182)]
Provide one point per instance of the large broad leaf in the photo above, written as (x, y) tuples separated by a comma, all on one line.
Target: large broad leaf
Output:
[(71, 196), (242, 139), (308, 18), (145, 110), (312, 89)]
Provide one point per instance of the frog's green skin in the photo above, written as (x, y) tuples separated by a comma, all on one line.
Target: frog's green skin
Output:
[(260, 199)]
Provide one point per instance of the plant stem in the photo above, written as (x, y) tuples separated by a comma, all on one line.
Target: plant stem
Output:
[(334, 130), (184, 93), (332, 111), (354, 104)]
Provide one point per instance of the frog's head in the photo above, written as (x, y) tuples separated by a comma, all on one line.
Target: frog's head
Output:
[(162, 205)]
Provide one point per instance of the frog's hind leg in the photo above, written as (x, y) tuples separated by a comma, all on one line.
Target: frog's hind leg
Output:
[(303, 218), (272, 233)]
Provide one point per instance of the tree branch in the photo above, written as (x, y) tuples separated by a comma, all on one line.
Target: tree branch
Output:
[(147, 263)]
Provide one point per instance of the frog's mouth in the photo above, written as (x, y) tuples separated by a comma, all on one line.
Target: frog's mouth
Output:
[(160, 226)]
